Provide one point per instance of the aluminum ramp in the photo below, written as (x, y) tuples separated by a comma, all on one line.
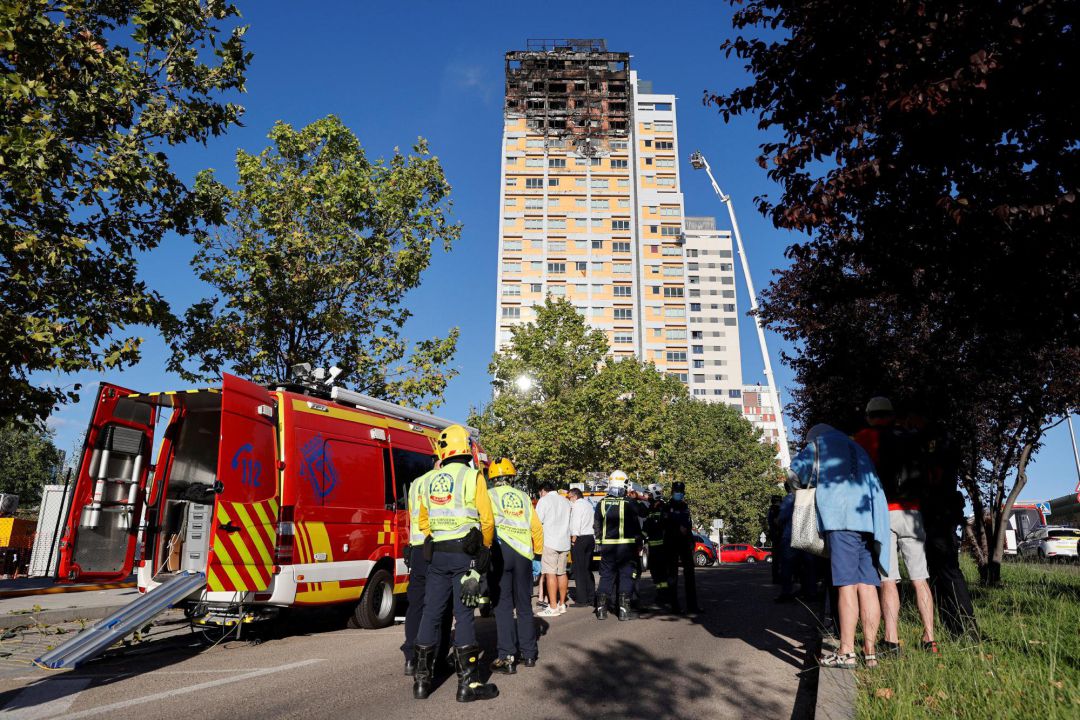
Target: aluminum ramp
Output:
[(93, 641)]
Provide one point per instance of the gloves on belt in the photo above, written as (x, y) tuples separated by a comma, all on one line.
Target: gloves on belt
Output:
[(473, 589), (482, 562)]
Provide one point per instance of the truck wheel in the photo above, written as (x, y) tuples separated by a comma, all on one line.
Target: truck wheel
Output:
[(751, 559), (376, 607), (701, 559)]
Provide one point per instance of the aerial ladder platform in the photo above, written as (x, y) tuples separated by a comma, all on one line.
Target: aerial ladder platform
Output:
[(93, 641)]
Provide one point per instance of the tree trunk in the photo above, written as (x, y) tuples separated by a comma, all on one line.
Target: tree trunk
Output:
[(1001, 515)]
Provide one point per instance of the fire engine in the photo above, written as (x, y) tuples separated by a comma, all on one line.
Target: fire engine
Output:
[(258, 498)]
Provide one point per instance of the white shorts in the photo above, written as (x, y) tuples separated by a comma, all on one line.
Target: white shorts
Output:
[(553, 562), (909, 537)]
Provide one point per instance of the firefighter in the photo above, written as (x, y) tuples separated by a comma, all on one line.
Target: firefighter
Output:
[(679, 548), (618, 532), (418, 567), (455, 508), (519, 537), (655, 527)]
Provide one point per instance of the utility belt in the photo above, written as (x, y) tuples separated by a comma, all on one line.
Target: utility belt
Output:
[(449, 546), (471, 544), (656, 543)]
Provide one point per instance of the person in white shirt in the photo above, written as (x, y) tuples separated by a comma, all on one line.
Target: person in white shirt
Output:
[(582, 546), (554, 513)]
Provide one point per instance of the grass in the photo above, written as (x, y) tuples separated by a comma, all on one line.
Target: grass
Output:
[(1027, 666)]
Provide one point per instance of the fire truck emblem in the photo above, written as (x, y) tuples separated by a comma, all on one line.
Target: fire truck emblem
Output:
[(512, 506), (442, 489), (317, 466)]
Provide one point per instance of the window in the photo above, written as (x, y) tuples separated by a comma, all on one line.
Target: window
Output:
[(734, 393), (557, 223), (534, 143), (624, 313), (669, 210), (696, 335), (511, 312), (674, 312), (619, 164), (665, 181), (694, 253), (695, 307), (730, 321), (695, 293), (557, 246), (510, 202), (729, 307), (534, 203), (617, 144), (621, 290), (665, 145), (699, 364), (581, 266), (620, 224), (665, 162), (597, 244), (673, 292), (672, 270), (535, 287), (697, 349), (676, 334), (601, 204), (534, 182), (512, 245), (662, 126), (557, 290), (579, 182), (620, 247), (554, 182), (623, 339), (557, 162), (510, 182), (556, 268), (553, 202), (579, 202), (599, 183), (511, 290), (620, 268), (672, 250), (700, 391), (623, 182), (623, 202), (536, 266), (648, 161), (670, 230), (581, 245), (534, 224), (676, 357), (511, 267), (408, 466), (681, 377), (594, 162)]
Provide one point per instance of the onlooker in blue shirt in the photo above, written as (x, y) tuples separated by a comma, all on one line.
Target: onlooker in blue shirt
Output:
[(854, 517)]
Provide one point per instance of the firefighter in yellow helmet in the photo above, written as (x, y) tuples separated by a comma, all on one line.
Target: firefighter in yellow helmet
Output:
[(617, 529), (519, 537), (455, 513)]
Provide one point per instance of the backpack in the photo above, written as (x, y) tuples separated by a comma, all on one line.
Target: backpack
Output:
[(901, 464)]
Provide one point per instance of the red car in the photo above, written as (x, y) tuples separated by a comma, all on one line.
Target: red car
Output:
[(743, 554), (704, 551)]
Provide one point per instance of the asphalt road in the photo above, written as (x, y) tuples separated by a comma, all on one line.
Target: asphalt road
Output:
[(740, 658)]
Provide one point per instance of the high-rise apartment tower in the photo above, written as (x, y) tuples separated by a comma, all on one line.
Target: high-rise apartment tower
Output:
[(592, 211)]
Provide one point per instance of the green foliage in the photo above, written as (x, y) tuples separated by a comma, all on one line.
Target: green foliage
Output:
[(90, 95), (1028, 667), (586, 413), (28, 460), (311, 257)]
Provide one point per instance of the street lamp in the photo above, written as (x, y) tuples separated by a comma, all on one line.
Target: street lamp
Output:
[(698, 162)]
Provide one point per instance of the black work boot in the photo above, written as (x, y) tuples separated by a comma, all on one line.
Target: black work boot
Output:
[(424, 672), (625, 613), (410, 667), (504, 666), (601, 607), (469, 686)]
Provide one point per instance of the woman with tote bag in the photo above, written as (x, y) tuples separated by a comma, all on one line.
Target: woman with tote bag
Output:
[(853, 521)]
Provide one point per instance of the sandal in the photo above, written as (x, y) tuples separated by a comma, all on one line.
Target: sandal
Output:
[(931, 647), (892, 649), (845, 661), (870, 660)]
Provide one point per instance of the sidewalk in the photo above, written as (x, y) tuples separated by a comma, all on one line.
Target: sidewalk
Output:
[(42, 601)]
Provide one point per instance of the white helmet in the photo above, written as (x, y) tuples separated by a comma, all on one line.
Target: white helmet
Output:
[(617, 484)]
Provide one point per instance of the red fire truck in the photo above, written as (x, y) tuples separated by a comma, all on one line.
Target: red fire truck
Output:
[(275, 497)]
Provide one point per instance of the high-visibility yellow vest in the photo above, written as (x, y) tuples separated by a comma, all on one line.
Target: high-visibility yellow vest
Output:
[(513, 518), (619, 538), (449, 494), (416, 537)]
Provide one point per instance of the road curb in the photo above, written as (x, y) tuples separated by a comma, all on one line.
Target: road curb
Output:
[(60, 589), (55, 617), (835, 694)]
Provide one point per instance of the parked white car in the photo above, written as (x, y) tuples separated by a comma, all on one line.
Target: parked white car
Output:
[(1050, 543)]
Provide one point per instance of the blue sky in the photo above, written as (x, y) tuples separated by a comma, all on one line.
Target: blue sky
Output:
[(394, 71)]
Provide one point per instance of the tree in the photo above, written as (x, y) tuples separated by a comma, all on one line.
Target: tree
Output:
[(933, 156), (28, 460), (584, 412), (92, 95), (311, 257)]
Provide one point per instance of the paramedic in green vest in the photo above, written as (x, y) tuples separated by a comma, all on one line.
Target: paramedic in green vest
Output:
[(418, 568), (617, 528), (519, 537), (456, 510)]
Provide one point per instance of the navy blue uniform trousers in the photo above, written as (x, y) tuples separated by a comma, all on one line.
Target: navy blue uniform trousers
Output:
[(443, 588), (418, 570), (617, 564), (511, 578)]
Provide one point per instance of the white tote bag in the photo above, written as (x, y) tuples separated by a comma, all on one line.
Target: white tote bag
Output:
[(805, 533)]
